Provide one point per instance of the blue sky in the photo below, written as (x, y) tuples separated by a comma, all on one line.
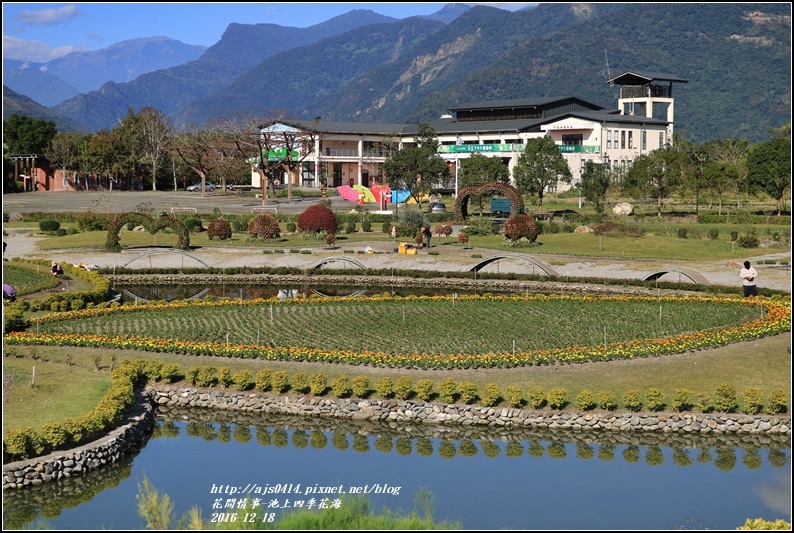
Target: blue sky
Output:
[(42, 32)]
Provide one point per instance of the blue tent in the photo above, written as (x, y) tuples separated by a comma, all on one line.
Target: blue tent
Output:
[(399, 196)]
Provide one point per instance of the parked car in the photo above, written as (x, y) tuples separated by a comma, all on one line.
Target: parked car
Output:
[(438, 207), (209, 187)]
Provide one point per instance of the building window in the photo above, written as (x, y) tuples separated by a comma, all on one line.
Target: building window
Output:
[(644, 145), (572, 139), (622, 139), (609, 139), (661, 139), (631, 139)]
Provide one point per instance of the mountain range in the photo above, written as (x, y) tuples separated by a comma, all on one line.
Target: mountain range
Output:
[(367, 67)]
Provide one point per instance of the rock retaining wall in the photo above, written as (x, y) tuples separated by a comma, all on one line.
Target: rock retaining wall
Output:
[(469, 415), (131, 436)]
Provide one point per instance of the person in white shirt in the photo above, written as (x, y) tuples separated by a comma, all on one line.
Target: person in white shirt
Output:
[(748, 275)]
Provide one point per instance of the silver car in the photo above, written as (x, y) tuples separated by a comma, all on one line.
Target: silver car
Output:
[(209, 187)]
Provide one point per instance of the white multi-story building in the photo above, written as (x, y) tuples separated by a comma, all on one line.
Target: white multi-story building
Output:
[(352, 153)]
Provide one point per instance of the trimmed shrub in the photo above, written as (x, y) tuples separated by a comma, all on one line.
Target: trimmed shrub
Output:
[(556, 398), (360, 386), (243, 380), (278, 381), (300, 382), (753, 400), (340, 386), (521, 226), (291, 227), (535, 397), (384, 387), (424, 389), (467, 391), (350, 227), (264, 226), (777, 402), (704, 402), (514, 396), (206, 377), (585, 400), (263, 379), (682, 400), (366, 226), (318, 384), (447, 389), (194, 225), (682, 233), (607, 400), (403, 388), (490, 395), (724, 398), (219, 229), (714, 234), (317, 218), (224, 376), (748, 241), (632, 400), (49, 225), (654, 399)]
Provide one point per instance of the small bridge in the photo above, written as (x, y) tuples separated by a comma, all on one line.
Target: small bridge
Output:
[(540, 263), (354, 262), (695, 276), (170, 251)]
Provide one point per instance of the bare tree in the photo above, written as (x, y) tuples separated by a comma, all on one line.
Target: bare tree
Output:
[(156, 134), (63, 151), (271, 145), (196, 149)]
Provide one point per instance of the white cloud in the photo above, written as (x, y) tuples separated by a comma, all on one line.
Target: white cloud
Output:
[(35, 51), (48, 17)]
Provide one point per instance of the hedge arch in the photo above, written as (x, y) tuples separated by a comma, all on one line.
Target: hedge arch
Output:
[(476, 189), (152, 225)]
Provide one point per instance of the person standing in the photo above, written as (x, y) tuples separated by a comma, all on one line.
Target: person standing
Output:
[(748, 275), (427, 235)]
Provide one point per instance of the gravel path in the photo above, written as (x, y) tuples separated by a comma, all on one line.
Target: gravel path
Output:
[(23, 243)]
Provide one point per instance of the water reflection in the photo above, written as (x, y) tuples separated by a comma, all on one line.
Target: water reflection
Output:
[(488, 478), (168, 293)]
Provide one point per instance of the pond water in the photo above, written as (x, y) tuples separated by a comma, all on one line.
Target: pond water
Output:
[(129, 293), (485, 479)]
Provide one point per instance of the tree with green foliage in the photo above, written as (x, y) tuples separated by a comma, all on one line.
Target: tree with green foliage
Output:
[(655, 175), (595, 182), (25, 135), (417, 168), (482, 169), (725, 168), (769, 168), (540, 167)]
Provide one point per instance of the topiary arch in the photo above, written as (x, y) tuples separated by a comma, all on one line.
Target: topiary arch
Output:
[(152, 225), (476, 189)]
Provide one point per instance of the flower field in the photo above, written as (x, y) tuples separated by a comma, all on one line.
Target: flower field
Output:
[(421, 332)]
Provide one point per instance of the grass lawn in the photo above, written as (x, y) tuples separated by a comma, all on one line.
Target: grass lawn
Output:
[(663, 245), (63, 391), (58, 391)]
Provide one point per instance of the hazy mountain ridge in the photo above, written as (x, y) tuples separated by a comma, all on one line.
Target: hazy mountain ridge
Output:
[(737, 58), (241, 47), (15, 103)]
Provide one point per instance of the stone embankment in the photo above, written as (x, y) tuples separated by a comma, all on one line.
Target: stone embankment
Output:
[(133, 434), (128, 438), (433, 413)]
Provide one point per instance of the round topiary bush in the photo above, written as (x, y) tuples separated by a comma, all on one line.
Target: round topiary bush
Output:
[(194, 225), (219, 228), (265, 226), (49, 225), (521, 226), (316, 219)]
